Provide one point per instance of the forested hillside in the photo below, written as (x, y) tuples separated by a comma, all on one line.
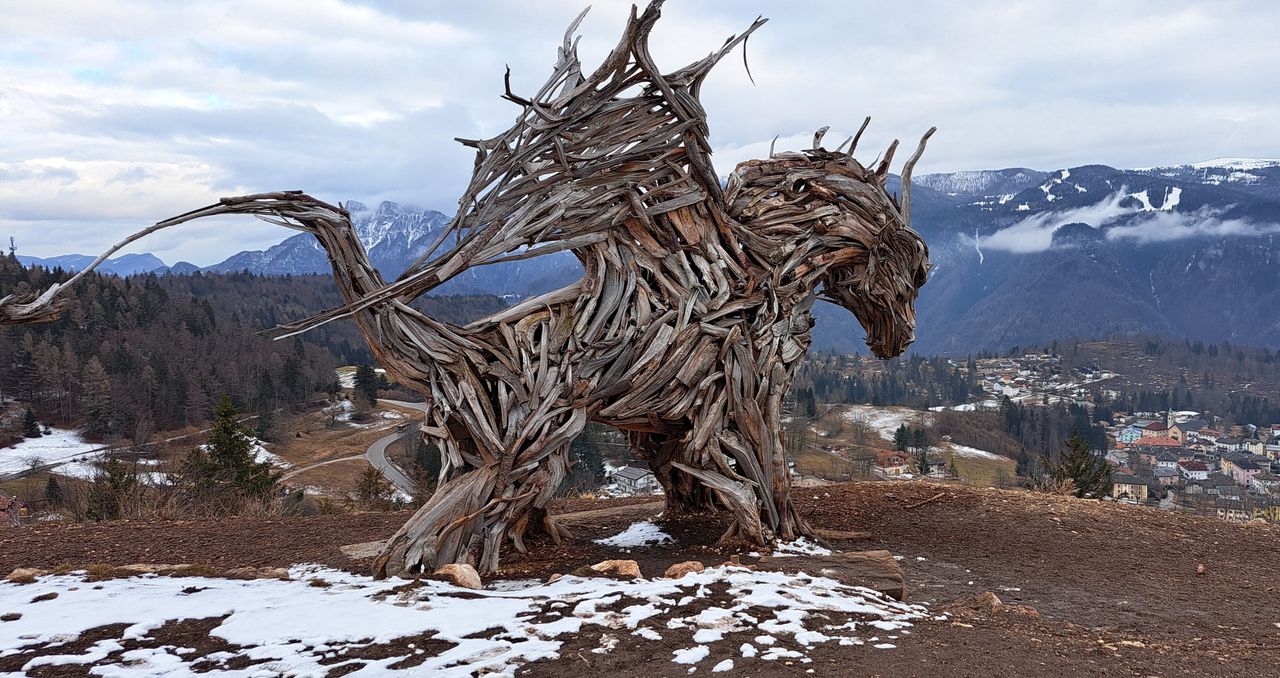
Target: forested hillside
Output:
[(132, 356)]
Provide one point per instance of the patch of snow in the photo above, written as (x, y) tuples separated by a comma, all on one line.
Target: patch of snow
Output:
[(800, 547), (643, 533), (726, 665), (295, 626), (59, 445), (260, 454), (1141, 196), (691, 655), (1024, 207), (966, 451), (884, 420), (1237, 163)]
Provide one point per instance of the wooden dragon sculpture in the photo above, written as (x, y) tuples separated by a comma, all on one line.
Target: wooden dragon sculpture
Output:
[(691, 316)]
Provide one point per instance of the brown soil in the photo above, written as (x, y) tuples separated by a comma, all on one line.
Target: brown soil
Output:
[(1118, 588), (337, 478), (313, 440)]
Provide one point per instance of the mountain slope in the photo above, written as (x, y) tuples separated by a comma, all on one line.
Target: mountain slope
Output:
[(126, 264), (1020, 256)]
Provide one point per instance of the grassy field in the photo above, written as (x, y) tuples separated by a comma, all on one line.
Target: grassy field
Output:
[(980, 471)]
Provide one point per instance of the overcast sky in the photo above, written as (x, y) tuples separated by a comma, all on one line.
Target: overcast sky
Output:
[(117, 113)]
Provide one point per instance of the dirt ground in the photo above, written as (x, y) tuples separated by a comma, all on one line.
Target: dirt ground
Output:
[(1113, 589)]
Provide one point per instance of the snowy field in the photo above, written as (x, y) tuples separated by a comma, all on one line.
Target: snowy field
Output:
[(884, 420), (296, 628), (78, 456), (58, 445), (973, 452)]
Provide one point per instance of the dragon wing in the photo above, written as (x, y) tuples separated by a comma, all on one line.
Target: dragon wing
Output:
[(626, 146), (586, 154)]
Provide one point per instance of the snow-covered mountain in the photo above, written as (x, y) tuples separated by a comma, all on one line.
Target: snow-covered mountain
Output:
[(395, 236), (1251, 175), (1020, 256), (126, 264), (391, 234), (982, 182)]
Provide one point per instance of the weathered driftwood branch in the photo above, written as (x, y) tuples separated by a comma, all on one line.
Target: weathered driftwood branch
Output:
[(691, 316)]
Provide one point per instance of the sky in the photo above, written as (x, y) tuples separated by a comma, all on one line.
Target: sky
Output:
[(117, 113)]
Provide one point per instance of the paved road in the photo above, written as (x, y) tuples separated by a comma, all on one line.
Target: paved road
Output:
[(377, 453)]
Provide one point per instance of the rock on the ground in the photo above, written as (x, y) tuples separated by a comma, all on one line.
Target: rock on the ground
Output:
[(622, 569), (460, 574), (153, 568), (681, 569), (876, 570), (988, 603), (257, 573), (25, 575), (368, 549)]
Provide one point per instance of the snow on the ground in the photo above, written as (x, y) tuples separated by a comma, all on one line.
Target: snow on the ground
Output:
[(884, 420), (347, 376), (88, 470), (643, 533), (966, 451), (295, 625), (800, 547), (345, 409), (260, 454), (968, 407), (57, 445)]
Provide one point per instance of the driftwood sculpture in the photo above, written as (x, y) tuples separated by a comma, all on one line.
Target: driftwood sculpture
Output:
[(684, 331)]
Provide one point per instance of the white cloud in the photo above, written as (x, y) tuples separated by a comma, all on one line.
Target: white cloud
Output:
[(1167, 226), (1035, 233), (361, 98)]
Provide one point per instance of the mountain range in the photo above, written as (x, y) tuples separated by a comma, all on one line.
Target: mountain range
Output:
[(1021, 256)]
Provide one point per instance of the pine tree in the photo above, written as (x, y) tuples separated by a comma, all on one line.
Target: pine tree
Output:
[(373, 490), (367, 385), (97, 395), (901, 438), (30, 427), (226, 464), (1090, 473), (53, 492), (109, 489)]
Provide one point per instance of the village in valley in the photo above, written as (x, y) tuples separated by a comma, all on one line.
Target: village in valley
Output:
[(1175, 459)]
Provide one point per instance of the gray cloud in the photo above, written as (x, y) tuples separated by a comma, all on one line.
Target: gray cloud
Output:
[(1205, 222), (1035, 233), (114, 113)]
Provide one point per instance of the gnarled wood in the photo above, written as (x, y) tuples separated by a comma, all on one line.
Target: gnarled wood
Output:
[(691, 316)]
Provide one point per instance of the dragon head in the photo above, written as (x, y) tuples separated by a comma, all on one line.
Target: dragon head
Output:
[(847, 234)]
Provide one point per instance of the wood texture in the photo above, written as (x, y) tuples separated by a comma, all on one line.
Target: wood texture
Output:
[(684, 331)]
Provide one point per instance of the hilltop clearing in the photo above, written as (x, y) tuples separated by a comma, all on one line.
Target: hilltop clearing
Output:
[(1084, 587)]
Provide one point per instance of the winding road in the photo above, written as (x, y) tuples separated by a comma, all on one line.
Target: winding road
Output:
[(376, 455), (377, 452)]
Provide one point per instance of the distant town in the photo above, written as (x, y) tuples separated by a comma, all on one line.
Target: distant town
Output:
[(1182, 460)]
